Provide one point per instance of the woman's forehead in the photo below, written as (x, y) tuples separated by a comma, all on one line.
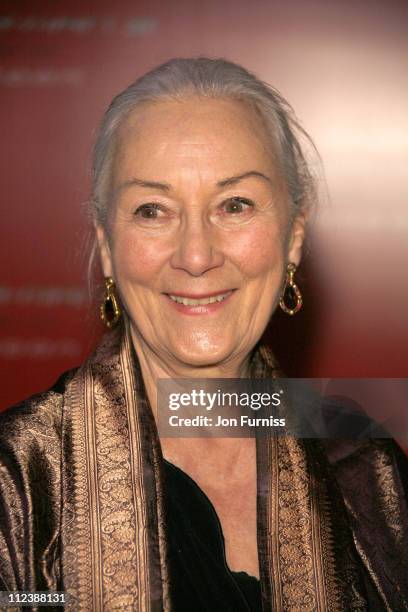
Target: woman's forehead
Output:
[(195, 131)]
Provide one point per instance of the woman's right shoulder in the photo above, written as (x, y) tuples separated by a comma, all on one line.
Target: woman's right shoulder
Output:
[(36, 418), (31, 434)]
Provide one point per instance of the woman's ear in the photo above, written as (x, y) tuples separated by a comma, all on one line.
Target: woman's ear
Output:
[(104, 250), (296, 238)]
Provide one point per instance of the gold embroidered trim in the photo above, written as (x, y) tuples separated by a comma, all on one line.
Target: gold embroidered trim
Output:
[(136, 472), (317, 516), (273, 523), (77, 566), (113, 545), (295, 527)]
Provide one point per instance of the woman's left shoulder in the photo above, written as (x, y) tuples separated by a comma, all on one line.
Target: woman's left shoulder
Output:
[(371, 468), (373, 452)]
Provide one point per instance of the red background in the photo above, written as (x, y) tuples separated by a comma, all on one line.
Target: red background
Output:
[(342, 64)]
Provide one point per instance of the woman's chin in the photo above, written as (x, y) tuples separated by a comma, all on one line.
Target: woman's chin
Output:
[(201, 357)]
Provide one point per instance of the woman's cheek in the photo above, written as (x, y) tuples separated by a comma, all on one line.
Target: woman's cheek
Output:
[(257, 251), (139, 258)]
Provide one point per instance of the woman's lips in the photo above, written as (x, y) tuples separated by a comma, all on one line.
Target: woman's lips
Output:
[(199, 304)]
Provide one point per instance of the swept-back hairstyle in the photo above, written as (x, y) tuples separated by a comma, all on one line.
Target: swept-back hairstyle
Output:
[(179, 79)]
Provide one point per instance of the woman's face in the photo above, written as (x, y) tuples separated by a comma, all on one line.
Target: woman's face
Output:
[(200, 230)]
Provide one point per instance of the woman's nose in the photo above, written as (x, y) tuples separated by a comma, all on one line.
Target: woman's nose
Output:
[(197, 250)]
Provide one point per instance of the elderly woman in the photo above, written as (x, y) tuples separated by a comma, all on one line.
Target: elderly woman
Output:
[(201, 196)]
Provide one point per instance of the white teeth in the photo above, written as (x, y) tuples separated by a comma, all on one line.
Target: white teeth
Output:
[(201, 302)]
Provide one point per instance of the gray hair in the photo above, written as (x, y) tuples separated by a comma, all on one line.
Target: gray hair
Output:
[(180, 78)]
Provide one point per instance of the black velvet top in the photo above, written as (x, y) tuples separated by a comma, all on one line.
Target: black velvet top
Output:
[(200, 578)]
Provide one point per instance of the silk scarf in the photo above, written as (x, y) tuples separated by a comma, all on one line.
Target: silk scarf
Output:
[(113, 520)]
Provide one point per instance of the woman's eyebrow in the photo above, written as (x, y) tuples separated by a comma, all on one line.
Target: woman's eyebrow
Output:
[(232, 180), (235, 179), (141, 183)]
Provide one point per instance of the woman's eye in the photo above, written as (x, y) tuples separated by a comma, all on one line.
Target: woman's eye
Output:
[(236, 206), (148, 211)]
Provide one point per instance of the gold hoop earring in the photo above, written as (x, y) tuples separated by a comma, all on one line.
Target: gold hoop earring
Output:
[(291, 298), (110, 311)]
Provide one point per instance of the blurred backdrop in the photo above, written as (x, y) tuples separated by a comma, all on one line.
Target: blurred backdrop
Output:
[(343, 65)]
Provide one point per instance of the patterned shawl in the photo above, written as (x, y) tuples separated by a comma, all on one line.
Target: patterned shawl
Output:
[(332, 518)]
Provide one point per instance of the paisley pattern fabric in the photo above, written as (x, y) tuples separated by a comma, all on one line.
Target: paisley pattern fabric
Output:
[(82, 507)]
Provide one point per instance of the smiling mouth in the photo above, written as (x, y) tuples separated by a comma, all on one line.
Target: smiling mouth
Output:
[(211, 299)]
